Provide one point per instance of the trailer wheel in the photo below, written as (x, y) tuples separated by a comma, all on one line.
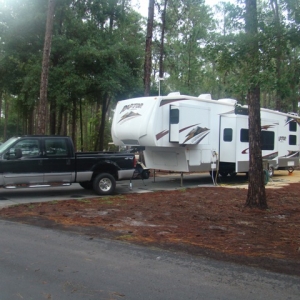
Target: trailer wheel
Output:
[(233, 174), (290, 170), (88, 185), (223, 174), (104, 184)]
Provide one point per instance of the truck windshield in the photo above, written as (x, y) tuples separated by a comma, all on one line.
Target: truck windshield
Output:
[(7, 144)]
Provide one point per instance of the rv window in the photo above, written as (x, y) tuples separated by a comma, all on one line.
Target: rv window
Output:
[(293, 126), (227, 135), (267, 140), (244, 135), (292, 140), (174, 116)]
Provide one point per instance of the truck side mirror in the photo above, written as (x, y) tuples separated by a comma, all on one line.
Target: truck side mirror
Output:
[(18, 153)]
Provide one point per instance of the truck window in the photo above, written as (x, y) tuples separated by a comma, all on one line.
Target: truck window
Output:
[(227, 135), (56, 147), (25, 148)]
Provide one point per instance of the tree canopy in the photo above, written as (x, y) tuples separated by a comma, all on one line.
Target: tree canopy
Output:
[(98, 54)]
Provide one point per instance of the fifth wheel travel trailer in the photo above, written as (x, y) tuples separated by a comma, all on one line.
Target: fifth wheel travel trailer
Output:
[(196, 134)]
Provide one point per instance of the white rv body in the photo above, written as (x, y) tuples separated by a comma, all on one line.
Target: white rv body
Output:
[(189, 134)]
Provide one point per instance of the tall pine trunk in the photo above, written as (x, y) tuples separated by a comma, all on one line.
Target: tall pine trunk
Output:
[(148, 50), (161, 56), (256, 196), (42, 105)]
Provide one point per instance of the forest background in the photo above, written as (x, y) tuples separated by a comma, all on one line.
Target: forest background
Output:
[(98, 54)]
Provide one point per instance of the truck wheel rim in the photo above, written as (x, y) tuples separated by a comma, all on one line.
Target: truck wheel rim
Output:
[(105, 184)]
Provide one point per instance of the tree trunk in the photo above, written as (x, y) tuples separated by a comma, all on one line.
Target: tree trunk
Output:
[(148, 50), (256, 196), (31, 122), (42, 105), (53, 117), (1, 99), (81, 124), (161, 57), (6, 105), (74, 120), (105, 105), (97, 126), (278, 49)]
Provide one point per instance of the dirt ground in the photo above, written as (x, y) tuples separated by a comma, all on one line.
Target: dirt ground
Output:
[(209, 221)]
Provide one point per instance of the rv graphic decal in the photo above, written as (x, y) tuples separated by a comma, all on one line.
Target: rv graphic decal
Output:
[(185, 128), (266, 127), (245, 151), (271, 156), (268, 156), (164, 102), (289, 119), (161, 134), (196, 135), (291, 154), (128, 116), (132, 106)]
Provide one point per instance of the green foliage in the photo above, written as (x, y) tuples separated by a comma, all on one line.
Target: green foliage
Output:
[(96, 51), (98, 54)]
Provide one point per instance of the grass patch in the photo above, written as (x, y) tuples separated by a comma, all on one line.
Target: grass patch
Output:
[(125, 237)]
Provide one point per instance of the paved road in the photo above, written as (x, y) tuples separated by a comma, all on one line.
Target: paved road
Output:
[(38, 263)]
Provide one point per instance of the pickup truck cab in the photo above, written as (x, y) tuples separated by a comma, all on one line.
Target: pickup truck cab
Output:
[(37, 161)]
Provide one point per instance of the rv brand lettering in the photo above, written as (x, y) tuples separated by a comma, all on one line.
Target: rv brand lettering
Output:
[(282, 138), (132, 106)]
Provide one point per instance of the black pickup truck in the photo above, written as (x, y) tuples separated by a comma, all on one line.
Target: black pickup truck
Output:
[(37, 161)]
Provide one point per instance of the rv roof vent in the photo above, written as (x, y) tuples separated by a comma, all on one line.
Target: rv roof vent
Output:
[(227, 100), (174, 94), (293, 113), (205, 96)]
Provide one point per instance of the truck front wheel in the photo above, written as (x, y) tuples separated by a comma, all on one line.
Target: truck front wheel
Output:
[(104, 184)]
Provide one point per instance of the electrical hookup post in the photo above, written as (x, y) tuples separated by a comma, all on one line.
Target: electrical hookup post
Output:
[(213, 165)]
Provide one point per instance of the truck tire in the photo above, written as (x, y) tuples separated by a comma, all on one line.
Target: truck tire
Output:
[(104, 184), (88, 185)]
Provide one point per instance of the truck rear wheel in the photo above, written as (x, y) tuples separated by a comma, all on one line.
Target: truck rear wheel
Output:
[(104, 184)]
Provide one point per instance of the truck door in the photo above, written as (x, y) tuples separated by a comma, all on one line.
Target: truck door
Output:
[(58, 161), (21, 163)]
